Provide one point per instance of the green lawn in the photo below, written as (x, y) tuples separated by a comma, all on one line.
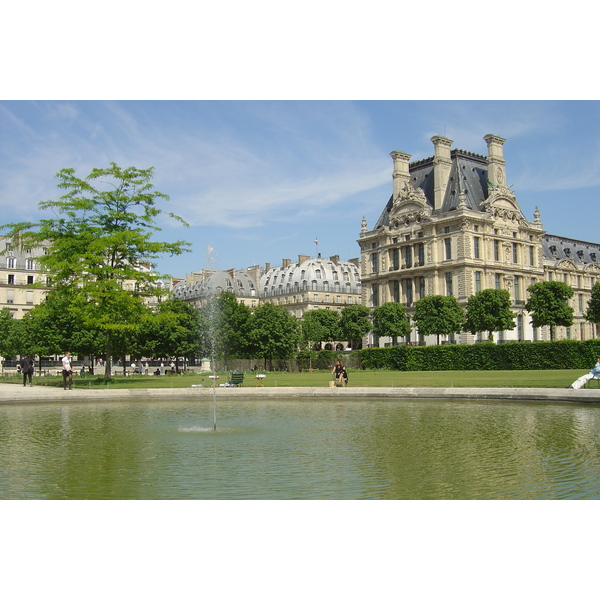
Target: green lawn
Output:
[(524, 379)]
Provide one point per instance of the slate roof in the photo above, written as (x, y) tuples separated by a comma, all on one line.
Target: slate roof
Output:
[(559, 248), (468, 174)]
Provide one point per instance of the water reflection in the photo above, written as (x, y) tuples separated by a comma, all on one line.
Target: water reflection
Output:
[(300, 449)]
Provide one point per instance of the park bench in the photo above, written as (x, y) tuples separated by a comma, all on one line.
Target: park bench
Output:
[(236, 379), (588, 384)]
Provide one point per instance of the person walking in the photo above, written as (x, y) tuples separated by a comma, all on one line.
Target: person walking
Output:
[(67, 371), (27, 368), (581, 381)]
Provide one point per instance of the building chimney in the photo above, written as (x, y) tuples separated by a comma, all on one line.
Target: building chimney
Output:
[(302, 258), (267, 267), (495, 160), (441, 168), (286, 262), (335, 259), (401, 174)]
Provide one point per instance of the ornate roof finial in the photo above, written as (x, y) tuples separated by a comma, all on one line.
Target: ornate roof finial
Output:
[(536, 216)]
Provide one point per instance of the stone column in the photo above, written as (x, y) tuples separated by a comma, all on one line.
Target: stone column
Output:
[(495, 160), (401, 174), (441, 168)]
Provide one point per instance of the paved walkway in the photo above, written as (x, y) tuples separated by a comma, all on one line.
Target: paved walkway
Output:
[(12, 393)]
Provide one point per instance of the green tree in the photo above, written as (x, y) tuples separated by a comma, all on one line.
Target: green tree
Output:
[(438, 315), (226, 327), (548, 304), (7, 326), (390, 320), (320, 325), (173, 329), (593, 308), (354, 324), (53, 327), (489, 310), (274, 332), (100, 243)]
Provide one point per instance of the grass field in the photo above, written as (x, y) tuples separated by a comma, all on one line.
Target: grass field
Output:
[(500, 379)]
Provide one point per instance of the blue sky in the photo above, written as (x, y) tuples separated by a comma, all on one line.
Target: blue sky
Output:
[(261, 180)]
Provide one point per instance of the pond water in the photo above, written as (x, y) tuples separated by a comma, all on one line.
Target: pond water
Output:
[(300, 449)]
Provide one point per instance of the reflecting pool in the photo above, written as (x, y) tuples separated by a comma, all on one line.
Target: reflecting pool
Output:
[(300, 449)]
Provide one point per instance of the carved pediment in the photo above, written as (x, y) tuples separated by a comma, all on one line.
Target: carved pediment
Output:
[(410, 205), (567, 264), (592, 268), (502, 204)]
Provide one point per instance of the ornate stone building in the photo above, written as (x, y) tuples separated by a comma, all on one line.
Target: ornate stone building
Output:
[(453, 227), (19, 271), (198, 287), (312, 283)]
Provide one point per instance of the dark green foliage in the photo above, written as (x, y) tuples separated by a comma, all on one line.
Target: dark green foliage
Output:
[(438, 315), (226, 327), (565, 354), (593, 309), (390, 320), (173, 329), (548, 305), (489, 310), (320, 325), (7, 327), (306, 359), (273, 332), (354, 323), (325, 359)]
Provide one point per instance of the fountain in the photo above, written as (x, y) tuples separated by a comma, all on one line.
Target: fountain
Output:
[(212, 314)]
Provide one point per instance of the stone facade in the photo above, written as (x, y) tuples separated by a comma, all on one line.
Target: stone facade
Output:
[(19, 272), (312, 283), (453, 227)]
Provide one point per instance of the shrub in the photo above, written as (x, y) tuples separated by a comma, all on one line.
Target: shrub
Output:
[(565, 354)]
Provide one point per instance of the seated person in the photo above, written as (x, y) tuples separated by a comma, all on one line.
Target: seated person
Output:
[(340, 373), (595, 372)]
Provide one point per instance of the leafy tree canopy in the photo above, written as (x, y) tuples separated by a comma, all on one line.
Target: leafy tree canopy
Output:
[(100, 242), (438, 315), (354, 323), (593, 308), (390, 320), (548, 304), (173, 329), (274, 332), (320, 325), (226, 326), (489, 310)]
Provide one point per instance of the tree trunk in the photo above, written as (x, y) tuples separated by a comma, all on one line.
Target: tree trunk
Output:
[(108, 358)]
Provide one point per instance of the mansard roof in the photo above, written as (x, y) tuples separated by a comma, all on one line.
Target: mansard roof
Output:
[(311, 269), (468, 174), (237, 282), (558, 248)]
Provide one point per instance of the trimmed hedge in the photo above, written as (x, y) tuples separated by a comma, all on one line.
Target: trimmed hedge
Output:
[(517, 356)]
